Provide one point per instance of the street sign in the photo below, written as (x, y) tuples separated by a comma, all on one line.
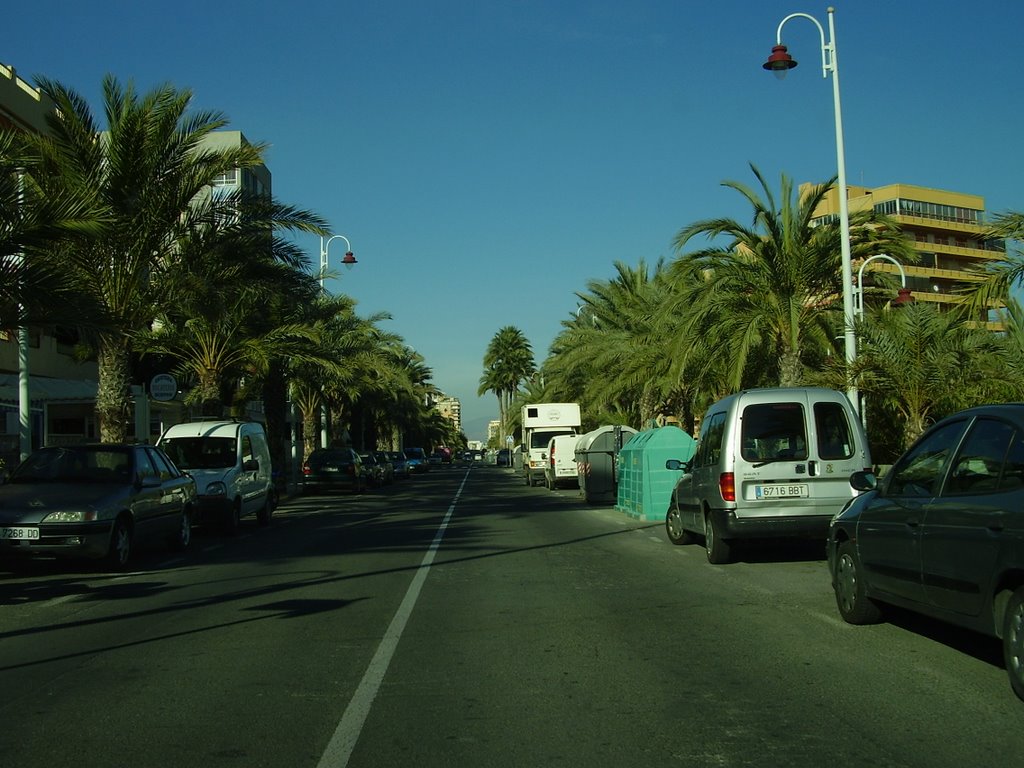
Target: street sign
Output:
[(509, 439), (163, 387)]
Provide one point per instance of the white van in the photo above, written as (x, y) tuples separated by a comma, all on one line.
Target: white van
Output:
[(561, 462), (769, 463), (230, 462)]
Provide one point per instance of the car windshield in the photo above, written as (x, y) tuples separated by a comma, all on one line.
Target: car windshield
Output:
[(76, 464), (201, 452)]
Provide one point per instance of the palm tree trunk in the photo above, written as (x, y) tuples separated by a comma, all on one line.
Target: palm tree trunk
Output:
[(113, 395), (275, 408)]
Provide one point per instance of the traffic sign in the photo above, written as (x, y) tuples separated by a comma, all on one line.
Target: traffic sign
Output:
[(163, 387)]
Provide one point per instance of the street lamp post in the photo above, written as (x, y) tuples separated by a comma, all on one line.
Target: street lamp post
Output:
[(904, 294), (349, 260), (779, 63)]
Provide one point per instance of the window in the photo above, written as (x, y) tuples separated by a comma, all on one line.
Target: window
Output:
[(773, 431), (709, 447), (979, 465), (919, 472), (247, 454), (834, 438), (144, 467), (162, 467)]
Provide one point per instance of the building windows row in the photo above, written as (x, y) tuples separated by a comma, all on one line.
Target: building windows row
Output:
[(903, 206)]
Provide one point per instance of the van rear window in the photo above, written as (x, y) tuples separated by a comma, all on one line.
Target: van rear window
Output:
[(773, 431)]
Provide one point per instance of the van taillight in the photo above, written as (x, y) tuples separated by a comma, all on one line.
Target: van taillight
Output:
[(306, 470), (552, 457), (727, 485)]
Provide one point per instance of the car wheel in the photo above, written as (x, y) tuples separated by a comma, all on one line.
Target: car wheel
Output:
[(719, 550), (1013, 641), (854, 605), (265, 512), (233, 521), (183, 536), (120, 551), (674, 527)]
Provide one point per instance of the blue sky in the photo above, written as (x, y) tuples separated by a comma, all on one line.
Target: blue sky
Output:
[(486, 159)]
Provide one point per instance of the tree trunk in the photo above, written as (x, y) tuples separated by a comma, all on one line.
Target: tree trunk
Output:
[(310, 431), (791, 373), (113, 395), (275, 407)]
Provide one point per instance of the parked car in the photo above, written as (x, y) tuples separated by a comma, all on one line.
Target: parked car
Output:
[(372, 468), (230, 462), (95, 501), (416, 459), (398, 461), (769, 463), (435, 459), (384, 460), (943, 532), (504, 458), (331, 469)]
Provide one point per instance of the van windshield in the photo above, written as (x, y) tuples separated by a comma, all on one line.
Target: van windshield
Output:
[(773, 432), (541, 439), (201, 452)]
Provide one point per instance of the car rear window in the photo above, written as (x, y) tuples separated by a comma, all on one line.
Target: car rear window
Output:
[(773, 431)]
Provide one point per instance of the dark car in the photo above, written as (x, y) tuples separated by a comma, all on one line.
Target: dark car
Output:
[(504, 458), (399, 462), (943, 533), (95, 501), (332, 469)]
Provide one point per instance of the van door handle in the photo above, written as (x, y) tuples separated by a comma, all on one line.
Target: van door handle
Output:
[(812, 468)]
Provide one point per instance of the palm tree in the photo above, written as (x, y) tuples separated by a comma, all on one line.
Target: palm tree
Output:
[(769, 293), (919, 365), (147, 168), (508, 361)]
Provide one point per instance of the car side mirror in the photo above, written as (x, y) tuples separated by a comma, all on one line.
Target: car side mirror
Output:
[(863, 481), (677, 465), (252, 465)]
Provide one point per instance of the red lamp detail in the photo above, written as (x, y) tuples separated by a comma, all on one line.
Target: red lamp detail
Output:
[(349, 259), (903, 297), (780, 61)]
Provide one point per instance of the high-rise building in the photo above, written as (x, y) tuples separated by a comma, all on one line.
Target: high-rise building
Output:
[(945, 227), (451, 409)]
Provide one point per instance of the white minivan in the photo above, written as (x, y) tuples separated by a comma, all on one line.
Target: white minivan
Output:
[(769, 463), (230, 462), (560, 457)]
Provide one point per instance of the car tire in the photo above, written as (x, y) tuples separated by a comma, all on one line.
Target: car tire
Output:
[(674, 528), (719, 550), (265, 512), (183, 536), (120, 552), (848, 582), (1013, 641), (233, 520)]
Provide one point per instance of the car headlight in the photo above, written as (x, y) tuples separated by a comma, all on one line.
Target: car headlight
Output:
[(216, 489), (71, 516)]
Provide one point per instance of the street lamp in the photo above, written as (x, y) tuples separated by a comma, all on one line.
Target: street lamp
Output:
[(903, 297), (780, 62), (349, 260)]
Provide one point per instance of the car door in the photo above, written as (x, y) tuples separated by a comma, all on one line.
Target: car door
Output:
[(889, 528), (963, 528), (173, 497), (146, 495), (702, 479)]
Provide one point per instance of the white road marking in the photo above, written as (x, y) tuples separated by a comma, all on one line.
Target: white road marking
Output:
[(339, 749)]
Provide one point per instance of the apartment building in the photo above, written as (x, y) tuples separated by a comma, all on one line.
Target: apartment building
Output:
[(451, 409), (945, 227)]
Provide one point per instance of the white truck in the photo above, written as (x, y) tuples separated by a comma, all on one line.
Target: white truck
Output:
[(541, 422)]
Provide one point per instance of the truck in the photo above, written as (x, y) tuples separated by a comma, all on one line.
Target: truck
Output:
[(541, 422)]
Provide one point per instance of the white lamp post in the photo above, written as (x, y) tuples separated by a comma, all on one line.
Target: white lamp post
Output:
[(349, 260), (781, 62), (904, 294)]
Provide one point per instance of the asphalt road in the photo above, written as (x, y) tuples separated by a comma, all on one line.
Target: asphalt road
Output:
[(462, 619)]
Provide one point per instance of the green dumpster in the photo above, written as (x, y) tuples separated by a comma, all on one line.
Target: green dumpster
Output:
[(645, 486)]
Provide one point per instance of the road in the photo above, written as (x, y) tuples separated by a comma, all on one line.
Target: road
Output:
[(460, 618)]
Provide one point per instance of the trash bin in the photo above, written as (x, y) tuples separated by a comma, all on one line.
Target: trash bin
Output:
[(645, 485), (596, 455)]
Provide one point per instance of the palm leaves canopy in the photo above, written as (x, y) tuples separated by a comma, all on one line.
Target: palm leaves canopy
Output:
[(508, 361)]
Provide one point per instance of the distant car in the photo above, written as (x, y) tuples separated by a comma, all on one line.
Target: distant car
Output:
[(504, 458), (435, 459), (416, 458), (400, 464), (331, 469), (388, 468), (95, 501), (943, 532), (372, 468)]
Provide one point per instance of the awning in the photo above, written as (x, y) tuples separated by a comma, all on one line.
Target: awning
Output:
[(44, 389)]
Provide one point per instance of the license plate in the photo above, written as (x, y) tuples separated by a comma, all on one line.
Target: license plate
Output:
[(19, 533), (780, 491)]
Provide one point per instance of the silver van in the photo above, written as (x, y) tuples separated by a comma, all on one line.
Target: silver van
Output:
[(230, 462), (769, 463)]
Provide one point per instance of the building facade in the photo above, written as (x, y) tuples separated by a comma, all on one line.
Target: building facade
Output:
[(451, 409), (946, 228)]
